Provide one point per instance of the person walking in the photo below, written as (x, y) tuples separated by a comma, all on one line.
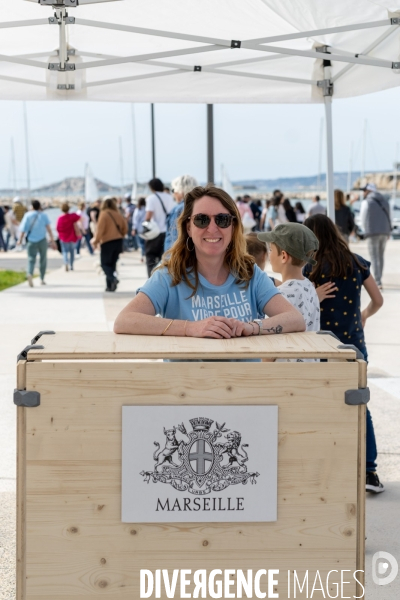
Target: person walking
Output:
[(68, 234), (11, 227), (19, 210), (180, 187), (341, 310), (207, 285), (246, 214), (300, 212), (264, 225), (377, 226), (34, 226), (110, 232), (93, 213), (316, 207), (158, 206), (83, 225), (2, 227), (272, 218), (289, 211), (256, 209), (344, 218), (131, 241), (137, 224)]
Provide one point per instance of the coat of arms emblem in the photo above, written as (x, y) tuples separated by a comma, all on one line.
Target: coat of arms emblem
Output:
[(199, 461)]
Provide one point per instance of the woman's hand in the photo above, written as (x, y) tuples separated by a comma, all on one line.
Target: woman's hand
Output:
[(364, 317), (325, 291), (241, 329), (212, 327)]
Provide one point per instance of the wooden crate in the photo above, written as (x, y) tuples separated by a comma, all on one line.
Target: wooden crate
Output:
[(72, 544)]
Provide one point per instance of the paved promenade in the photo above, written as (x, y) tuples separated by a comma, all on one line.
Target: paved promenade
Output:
[(76, 301)]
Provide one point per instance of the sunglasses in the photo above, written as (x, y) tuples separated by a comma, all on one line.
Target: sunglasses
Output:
[(222, 220)]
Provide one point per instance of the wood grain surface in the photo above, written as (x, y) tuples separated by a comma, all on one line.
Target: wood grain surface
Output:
[(76, 546), (21, 489), (105, 345)]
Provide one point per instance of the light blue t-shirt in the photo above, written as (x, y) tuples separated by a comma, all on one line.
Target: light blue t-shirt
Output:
[(35, 221), (227, 300), (172, 231)]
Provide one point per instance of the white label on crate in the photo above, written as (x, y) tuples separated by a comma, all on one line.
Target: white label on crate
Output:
[(199, 464)]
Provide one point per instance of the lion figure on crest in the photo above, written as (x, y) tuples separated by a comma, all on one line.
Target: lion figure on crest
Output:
[(231, 448)]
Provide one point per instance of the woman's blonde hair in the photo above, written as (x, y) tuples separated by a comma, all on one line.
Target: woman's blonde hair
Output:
[(181, 262), (109, 204), (339, 199)]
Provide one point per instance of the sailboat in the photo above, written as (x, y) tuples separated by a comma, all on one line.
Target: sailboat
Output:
[(226, 182), (91, 189)]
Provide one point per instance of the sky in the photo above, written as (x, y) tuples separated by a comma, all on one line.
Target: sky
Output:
[(251, 141)]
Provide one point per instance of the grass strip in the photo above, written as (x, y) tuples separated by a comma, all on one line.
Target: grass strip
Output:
[(10, 278)]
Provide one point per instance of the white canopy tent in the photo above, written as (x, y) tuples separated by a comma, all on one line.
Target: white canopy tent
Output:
[(203, 51)]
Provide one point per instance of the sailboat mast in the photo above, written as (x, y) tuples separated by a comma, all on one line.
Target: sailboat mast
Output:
[(121, 165), (395, 172), (14, 175), (28, 174), (349, 174), (134, 187), (364, 147)]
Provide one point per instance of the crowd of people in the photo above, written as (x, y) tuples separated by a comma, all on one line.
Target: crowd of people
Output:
[(211, 281), (150, 225), (206, 256)]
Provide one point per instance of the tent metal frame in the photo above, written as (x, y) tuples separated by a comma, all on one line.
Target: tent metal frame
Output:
[(325, 53)]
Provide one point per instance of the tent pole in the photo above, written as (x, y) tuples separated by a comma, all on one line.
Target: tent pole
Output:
[(328, 93), (210, 143), (153, 143), (330, 202)]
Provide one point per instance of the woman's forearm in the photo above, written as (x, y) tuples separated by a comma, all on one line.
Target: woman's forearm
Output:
[(287, 322), (134, 323)]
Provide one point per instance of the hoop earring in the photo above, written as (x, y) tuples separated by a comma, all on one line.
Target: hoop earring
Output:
[(187, 245)]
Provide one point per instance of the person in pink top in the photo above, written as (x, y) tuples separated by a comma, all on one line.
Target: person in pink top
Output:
[(68, 234), (246, 214)]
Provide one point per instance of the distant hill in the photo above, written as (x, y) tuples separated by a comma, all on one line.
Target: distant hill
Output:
[(75, 186), (291, 184), (70, 186)]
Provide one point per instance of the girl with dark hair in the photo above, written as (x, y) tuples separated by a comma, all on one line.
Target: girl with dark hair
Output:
[(341, 313), (289, 211), (207, 285), (344, 218), (300, 212)]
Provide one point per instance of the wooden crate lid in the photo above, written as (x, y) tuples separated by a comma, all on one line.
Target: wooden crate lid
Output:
[(104, 345)]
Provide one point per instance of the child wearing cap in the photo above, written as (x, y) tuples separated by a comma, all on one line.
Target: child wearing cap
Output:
[(291, 247)]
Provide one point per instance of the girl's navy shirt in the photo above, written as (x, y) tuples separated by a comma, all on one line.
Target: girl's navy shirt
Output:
[(342, 314)]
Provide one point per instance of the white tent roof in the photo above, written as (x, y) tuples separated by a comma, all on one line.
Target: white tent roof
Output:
[(153, 47)]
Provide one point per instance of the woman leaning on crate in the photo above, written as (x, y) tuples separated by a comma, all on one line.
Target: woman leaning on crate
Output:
[(207, 285)]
